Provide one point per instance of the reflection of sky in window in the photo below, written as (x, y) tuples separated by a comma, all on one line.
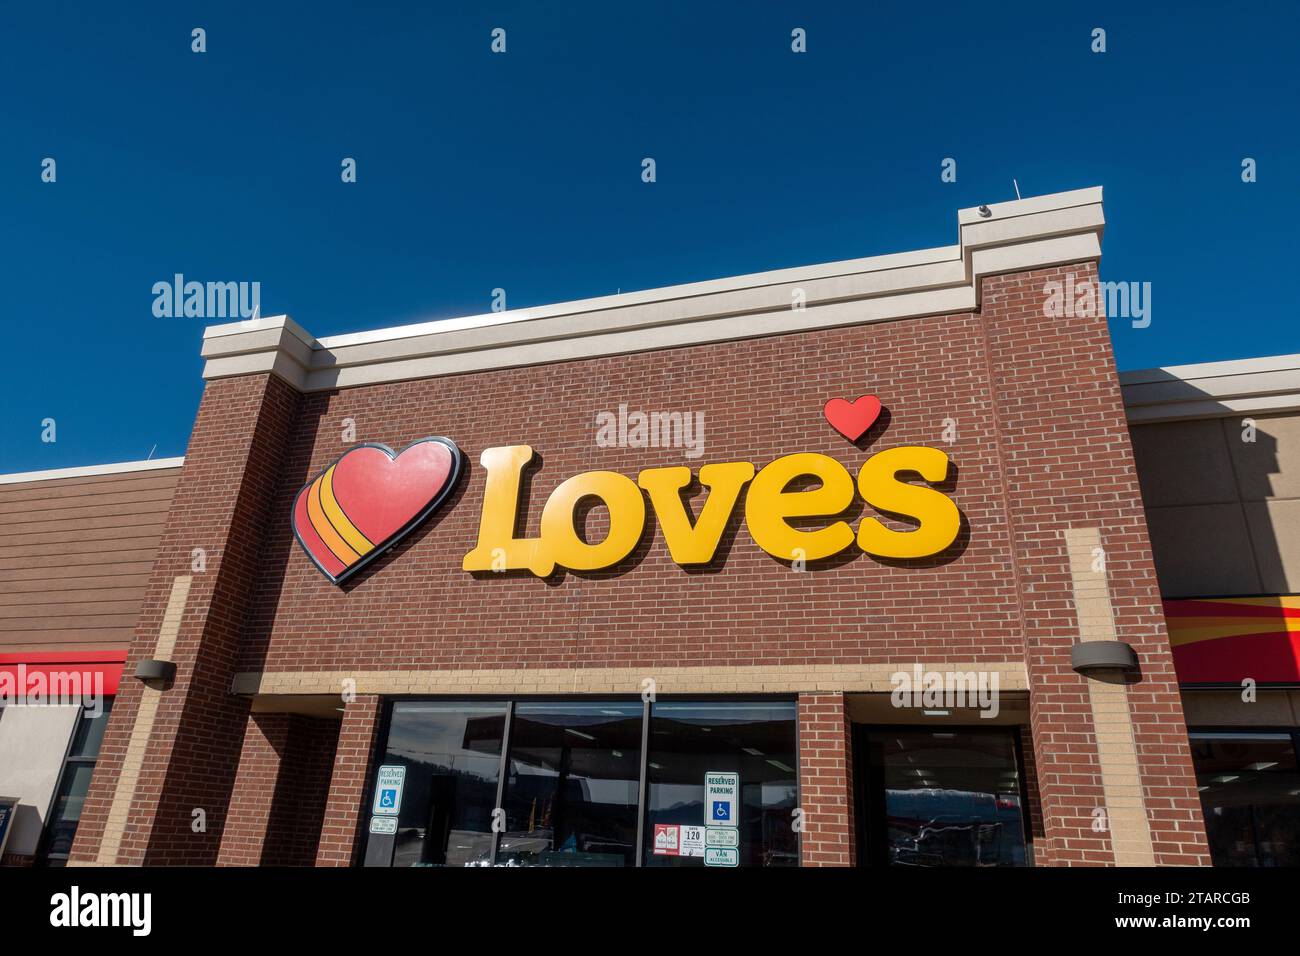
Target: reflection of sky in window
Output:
[(619, 788), (573, 714), (434, 733), (723, 713), (618, 792)]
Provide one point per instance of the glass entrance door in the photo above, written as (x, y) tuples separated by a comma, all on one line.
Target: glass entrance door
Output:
[(948, 796)]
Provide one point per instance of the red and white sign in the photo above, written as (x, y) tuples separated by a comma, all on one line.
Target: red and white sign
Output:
[(667, 839)]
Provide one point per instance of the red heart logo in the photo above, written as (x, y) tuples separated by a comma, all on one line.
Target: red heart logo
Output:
[(369, 498), (852, 419)]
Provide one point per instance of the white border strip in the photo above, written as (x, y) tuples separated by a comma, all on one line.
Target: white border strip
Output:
[(87, 471), (1015, 236), (1266, 384)]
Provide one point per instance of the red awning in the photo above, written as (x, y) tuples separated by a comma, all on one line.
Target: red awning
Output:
[(108, 664)]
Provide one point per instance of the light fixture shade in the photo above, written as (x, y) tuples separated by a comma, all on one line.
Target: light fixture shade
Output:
[(155, 670), (1090, 657)]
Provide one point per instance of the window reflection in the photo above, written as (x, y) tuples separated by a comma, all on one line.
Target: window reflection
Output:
[(945, 798), (572, 787), (571, 793), (74, 783), (755, 740), (452, 753), (1250, 794)]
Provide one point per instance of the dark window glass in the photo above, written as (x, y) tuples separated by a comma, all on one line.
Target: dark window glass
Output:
[(452, 754), (89, 733), (74, 782), (67, 807), (755, 740), (944, 798), (571, 793), (1250, 794)]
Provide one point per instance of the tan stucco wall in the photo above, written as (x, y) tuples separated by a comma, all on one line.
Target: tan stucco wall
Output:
[(1226, 708), (1224, 513)]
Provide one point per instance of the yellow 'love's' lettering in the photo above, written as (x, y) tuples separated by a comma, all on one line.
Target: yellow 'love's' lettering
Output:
[(768, 505), (768, 508), (687, 543)]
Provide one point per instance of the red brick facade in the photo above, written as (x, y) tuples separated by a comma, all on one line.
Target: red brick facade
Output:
[(1039, 445), (826, 781), (341, 831), (277, 805)]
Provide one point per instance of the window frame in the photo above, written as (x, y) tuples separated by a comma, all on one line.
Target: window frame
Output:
[(1252, 731), (43, 855), (871, 848), (381, 744)]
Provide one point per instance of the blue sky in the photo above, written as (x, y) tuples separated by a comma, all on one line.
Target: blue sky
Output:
[(522, 171)]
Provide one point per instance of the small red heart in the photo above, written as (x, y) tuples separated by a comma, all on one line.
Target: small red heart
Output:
[(370, 498), (852, 419)]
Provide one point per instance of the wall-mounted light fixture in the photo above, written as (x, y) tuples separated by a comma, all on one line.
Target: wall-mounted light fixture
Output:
[(155, 672), (1098, 659)]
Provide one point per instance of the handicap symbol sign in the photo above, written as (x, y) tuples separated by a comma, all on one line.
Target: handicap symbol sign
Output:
[(388, 790), (722, 798)]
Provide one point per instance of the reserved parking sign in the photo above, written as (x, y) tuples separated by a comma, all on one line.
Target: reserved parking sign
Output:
[(721, 799)]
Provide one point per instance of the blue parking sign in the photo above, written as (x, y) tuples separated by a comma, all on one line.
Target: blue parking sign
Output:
[(722, 798), (388, 790)]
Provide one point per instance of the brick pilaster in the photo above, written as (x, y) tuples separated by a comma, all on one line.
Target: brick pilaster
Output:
[(341, 833), (266, 742), (826, 781), (1066, 463), (168, 763)]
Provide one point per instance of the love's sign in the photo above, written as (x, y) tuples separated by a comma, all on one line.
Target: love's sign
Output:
[(372, 497), (769, 507)]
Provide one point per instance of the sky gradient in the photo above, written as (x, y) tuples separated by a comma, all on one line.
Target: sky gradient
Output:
[(523, 170)]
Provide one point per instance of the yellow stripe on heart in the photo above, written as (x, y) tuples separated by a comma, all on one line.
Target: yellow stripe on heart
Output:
[(339, 519)]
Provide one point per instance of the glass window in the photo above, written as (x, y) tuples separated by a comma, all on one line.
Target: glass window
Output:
[(944, 798), (572, 792), (452, 755), (572, 787), (89, 732), (1250, 794), (757, 741), (74, 782)]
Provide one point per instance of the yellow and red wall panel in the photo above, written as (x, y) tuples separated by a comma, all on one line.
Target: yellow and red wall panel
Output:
[(1227, 640)]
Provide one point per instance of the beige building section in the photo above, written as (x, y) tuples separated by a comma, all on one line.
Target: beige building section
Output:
[(1217, 448), (133, 762), (1126, 815), (631, 680)]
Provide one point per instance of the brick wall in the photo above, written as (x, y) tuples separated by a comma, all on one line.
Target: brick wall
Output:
[(186, 757), (826, 781), (341, 834), (1040, 445), (1068, 464), (416, 608), (278, 801)]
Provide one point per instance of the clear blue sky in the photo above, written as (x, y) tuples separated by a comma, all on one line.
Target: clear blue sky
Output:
[(523, 171)]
